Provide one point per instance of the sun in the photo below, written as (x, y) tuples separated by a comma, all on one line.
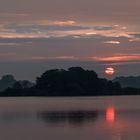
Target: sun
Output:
[(109, 71)]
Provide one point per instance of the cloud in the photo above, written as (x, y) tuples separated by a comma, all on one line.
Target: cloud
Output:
[(60, 29), (102, 28), (112, 42), (63, 23), (7, 54), (13, 14), (54, 58), (42, 27), (87, 11), (135, 37), (119, 59), (10, 44)]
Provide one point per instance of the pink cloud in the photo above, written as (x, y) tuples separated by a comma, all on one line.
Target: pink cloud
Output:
[(135, 57)]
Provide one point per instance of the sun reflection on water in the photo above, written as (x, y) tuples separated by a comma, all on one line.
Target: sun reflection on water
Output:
[(110, 114)]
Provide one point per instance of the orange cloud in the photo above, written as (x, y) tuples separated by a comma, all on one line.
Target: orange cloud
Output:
[(59, 23), (118, 58), (112, 42), (62, 23)]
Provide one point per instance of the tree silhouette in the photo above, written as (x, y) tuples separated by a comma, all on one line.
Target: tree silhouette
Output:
[(72, 82)]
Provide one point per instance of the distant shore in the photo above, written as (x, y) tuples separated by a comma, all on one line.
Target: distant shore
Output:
[(75, 81)]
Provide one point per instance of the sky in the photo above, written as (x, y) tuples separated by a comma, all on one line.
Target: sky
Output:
[(37, 35)]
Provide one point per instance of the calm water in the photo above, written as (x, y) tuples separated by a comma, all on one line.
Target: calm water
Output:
[(87, 118)]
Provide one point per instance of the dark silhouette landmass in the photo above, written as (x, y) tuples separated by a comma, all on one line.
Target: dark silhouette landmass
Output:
[(72, 82), (7, 81), (23, 84), (131, 81)]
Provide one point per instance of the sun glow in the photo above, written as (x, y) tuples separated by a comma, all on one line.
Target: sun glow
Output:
[(109, 71)]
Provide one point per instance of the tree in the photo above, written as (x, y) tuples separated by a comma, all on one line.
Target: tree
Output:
[(74, 81)]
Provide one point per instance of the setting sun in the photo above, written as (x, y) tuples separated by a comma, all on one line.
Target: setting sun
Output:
[(109, 71)]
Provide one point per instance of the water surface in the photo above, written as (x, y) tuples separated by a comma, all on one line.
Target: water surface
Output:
[(79, 118)]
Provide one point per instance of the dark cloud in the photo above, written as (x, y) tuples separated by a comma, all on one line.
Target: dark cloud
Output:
[(103, 28), (136, 35), (31, 28)]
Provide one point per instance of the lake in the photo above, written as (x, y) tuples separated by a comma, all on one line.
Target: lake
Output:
[(77, 118)]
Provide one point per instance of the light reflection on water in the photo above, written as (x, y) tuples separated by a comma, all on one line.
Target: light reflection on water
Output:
[(109, 123), (119, 125), (110, 114)]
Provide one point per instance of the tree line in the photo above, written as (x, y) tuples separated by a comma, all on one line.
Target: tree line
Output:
[(75, 81)]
